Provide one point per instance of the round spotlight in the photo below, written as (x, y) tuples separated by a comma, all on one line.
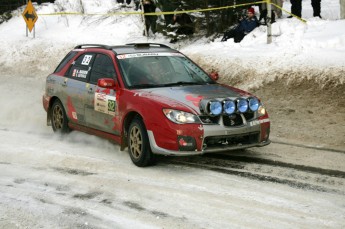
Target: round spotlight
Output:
[(242, 105), (229, 107), (215, 108), (253, 104)]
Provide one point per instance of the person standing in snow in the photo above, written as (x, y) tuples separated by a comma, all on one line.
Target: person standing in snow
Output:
[(245, 26), (316, 4), (137, 3), (150, 20), (275, 11), (128, 2), (296, 8)]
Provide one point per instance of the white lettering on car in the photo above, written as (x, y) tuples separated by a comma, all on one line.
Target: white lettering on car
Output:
[(81, 73), (257, 122), (134, 55)]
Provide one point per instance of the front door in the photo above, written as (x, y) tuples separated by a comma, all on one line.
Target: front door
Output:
[(101, 104)]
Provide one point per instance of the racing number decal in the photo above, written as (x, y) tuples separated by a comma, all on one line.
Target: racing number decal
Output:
[(111, 106), (86, 60), (105, 103)]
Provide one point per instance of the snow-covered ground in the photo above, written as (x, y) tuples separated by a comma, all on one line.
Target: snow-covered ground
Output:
[(83, 181), (319, 43)]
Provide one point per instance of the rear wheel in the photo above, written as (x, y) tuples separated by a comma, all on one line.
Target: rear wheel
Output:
[(138, 144), (59, 118)]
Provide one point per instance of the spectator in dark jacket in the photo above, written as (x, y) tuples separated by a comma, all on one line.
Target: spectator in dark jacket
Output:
[(150, 20), (185, 24), (246, 25)]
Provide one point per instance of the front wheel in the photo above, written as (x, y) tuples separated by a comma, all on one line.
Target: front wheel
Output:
[(59, 118), (138, 144)]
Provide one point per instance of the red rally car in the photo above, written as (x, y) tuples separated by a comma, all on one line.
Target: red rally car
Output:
[(153, 100)]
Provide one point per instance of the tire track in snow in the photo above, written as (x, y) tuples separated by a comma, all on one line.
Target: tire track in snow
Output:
[(266, 170)]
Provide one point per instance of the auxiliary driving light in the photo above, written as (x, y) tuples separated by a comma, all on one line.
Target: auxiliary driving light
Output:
[(253, 104), (229, 107), (215, 107), (242, 105)]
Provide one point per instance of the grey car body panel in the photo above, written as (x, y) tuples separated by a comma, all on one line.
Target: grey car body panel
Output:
[(185, 94)]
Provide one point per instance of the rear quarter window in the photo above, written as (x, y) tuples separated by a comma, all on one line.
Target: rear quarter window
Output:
[(80, 69), (65, 60)]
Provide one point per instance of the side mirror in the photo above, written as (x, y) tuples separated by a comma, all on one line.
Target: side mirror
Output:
[(106, 83), (214, 76)]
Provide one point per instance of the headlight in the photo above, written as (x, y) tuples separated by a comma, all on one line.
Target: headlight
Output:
[(261, 110), (229, 106), (180, 117), (253, 104), (242, 105), (216, 108)]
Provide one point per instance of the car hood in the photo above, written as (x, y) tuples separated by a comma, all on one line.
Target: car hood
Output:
[(191, 96)]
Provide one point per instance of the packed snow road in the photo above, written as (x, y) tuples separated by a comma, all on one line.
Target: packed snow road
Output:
[(81, 181)]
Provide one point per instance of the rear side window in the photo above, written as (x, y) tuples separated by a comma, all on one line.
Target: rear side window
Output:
[(65, 60), (102, 67), (81, 67)]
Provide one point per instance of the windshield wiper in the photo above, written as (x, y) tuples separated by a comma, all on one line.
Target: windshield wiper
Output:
[(180, 83), (146, 85)]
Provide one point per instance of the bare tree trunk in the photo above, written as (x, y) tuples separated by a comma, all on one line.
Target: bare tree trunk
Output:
[(342, 9), (207, 17)]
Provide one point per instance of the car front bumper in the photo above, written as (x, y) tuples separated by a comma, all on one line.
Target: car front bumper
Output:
[(216, 138)]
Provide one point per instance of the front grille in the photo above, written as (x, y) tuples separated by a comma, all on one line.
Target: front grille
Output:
[(249, 115), (232, 120), (209, 119), (231, 140), (228, 120)]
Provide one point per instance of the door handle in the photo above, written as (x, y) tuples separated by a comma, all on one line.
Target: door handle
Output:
[(64, 84)]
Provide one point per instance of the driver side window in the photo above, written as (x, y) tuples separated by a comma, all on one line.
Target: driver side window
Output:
[(102, 67)]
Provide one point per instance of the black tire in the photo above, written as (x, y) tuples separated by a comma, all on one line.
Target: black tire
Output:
[(59, 118), (138, 144)]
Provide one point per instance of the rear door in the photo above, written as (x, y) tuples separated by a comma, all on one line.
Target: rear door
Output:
[(75, 84)]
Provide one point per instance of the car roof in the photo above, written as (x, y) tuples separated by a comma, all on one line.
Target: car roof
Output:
[(131, 48)]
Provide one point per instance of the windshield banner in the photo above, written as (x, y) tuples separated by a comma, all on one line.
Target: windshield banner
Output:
[(134, 55)]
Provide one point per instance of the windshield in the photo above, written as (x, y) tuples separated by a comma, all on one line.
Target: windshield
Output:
[(145, 70)]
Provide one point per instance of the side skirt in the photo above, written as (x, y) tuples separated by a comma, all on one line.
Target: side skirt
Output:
[(111, 137)]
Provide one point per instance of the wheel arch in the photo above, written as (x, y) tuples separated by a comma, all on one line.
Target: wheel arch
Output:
[(49, 113), (126, 123)]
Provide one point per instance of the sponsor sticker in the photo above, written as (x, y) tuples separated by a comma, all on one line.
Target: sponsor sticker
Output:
[(105, 103), (257, 122), (74, 72), (74, 115), (80, 73)]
